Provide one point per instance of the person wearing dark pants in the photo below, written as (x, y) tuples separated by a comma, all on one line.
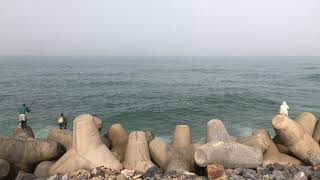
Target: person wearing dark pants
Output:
[(22, 111)]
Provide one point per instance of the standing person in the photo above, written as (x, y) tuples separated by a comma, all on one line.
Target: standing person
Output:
[(62, 121), (22, 111), (284, 108)]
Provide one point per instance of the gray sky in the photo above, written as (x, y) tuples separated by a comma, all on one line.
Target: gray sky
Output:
[(162, 27)]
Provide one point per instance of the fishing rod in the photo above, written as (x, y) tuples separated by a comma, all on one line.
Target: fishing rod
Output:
[(34, 100)]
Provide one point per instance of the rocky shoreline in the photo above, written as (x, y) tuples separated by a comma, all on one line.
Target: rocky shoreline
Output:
[(294, 153)]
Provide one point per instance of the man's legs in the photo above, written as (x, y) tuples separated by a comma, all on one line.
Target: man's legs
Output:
[(60, 125), (23, 124)]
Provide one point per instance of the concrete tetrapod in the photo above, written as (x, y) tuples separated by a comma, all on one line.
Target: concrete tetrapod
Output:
[(62, 136), (137, 155), (221, 149), (307, 120), (179, 155), (26, 132), (65, 137), (25, 154), (316, 132), (118, 137), (257, 140), (272, 154), (88, 151), (294, 136)]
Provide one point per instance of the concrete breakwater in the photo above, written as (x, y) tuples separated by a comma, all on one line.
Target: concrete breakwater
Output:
[(294, 153)]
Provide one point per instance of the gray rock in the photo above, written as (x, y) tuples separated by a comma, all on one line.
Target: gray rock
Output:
[(305, 169), (315, 175), (249, 173), (236, 177), (300, 176), (263, 171), (151, 172), (4, 168), (281, 175), (293, 171), (313, 160), (25, 176), (275, 166), (238, 171)]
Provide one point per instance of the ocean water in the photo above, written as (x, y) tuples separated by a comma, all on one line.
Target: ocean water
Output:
[(158, 93)]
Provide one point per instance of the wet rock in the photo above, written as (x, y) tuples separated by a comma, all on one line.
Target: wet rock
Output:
[(25, 176), (249, 173), (300, 176), (152, 172), (42, 169), (4, 168), (216, 171)]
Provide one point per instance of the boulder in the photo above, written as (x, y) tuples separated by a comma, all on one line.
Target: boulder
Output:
[(26, 132), (4, 168), (272, 154), (177, 156), (25, 154), (137, 155), (25, 176), (222, 149), (294, 136), (118, 137), (87, 151), (42, 169), (62, 136), (216, 172)]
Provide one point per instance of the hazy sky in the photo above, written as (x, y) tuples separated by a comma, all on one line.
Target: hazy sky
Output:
[(162, 27)]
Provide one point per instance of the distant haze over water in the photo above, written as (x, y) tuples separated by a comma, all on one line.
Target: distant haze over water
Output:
[(158, 93)]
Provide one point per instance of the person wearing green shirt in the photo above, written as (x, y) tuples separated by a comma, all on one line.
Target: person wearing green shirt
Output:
[(22, 111)]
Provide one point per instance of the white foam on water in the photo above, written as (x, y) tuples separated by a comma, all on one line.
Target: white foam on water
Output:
[(242, 131), (43, 131)]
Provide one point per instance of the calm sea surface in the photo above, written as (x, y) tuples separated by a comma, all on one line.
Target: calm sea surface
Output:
[(158, 93)]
